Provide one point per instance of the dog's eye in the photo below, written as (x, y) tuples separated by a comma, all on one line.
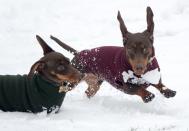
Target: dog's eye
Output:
[(61, 68), (145, 51)]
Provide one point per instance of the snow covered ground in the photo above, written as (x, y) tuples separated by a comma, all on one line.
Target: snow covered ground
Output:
[(87, 24)]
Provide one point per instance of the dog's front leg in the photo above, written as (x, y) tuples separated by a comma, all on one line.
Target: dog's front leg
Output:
[(164, 90), (145, 95), (92, 90), (93, 84), (138, 90)]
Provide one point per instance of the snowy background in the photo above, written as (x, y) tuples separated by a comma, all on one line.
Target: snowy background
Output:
[(87, 24)]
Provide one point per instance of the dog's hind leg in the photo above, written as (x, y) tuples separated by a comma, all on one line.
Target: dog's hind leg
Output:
[(94, 83)]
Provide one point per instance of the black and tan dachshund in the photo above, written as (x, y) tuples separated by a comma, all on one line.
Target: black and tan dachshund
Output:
[(131, 68), (44, 88)]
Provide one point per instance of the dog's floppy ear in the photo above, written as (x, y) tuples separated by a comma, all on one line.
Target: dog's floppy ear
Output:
[(123, 28), (46, 49), (37, 66), (150, 22)]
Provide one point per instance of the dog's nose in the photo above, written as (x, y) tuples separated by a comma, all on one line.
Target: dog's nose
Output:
[(139, 67)]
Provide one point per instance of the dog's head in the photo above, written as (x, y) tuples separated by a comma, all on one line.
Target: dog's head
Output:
[(54, 66), (138, 46)]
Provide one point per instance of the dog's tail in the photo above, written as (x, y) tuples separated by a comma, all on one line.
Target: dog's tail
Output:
[(65, 46)]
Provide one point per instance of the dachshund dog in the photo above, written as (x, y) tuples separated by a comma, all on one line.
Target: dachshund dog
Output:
[(44, 88), (131, 68)]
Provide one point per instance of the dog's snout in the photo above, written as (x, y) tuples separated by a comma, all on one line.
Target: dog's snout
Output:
[(139, 67)]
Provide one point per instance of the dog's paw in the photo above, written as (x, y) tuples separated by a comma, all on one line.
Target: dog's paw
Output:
[(168, 93), (148, 98), (90, 92)]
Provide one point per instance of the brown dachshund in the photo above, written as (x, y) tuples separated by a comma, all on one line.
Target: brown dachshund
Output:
[(44, 88), (131, 68)]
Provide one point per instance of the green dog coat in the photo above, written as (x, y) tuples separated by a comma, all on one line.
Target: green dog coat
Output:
[(36, 94)]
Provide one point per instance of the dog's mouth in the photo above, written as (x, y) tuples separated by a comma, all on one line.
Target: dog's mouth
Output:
[(66, 86), (139, 72)]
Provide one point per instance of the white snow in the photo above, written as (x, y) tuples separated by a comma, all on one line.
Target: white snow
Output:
[(86, 24), (131, 78), (152, 76), (128, 75)]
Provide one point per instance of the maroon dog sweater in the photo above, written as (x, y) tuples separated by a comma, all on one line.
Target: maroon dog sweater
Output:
[(111, 64)]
